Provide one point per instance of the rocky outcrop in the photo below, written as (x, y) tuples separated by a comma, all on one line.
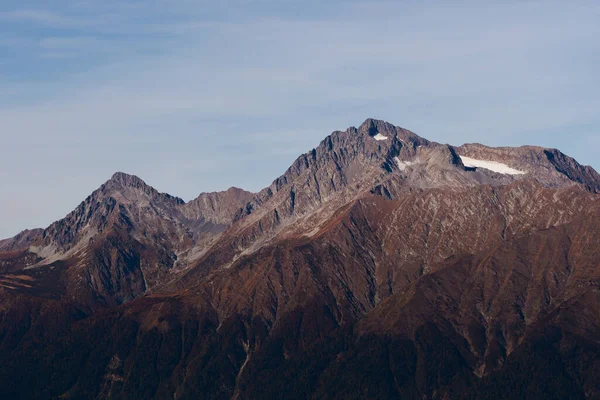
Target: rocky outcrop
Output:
[(550, 167), (21, 241), (219, 208)]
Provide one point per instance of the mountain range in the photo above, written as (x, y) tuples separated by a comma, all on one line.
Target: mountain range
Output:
[(379, 265)]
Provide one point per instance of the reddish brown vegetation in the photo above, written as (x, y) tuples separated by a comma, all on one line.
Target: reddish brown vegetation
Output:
[(350, 277)]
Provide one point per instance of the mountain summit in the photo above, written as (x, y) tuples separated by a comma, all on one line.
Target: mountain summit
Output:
[(378, 265)]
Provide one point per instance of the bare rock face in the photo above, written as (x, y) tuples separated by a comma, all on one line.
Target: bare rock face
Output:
[(548, 166), (379, 265), (21, 241), (124, 239), (219, 208), (379, 158), (566, 165), (124, 201)]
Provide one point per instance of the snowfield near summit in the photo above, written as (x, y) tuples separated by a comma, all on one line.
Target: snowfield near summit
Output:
[(490, 165)]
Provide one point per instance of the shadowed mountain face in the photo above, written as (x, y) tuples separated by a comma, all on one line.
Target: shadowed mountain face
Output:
[(379, 265)]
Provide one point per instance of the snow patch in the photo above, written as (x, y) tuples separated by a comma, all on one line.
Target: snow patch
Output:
[(379, 136), (402, 164), (491, 165)]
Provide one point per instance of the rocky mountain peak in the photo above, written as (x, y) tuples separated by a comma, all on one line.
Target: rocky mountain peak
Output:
[(123, 202), (385, 132), (217, 207), (373, 127), (126, 180), (130, 188), (377, 157), (380, 158)]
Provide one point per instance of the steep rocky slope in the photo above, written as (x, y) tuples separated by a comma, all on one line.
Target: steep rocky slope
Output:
[(376, 158), (121, 241), (379, 265)]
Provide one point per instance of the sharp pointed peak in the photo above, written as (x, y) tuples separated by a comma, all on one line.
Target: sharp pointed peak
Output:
[(374, 121), (122, 179), (372, 126)]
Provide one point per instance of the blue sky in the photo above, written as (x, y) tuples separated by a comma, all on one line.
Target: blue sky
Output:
[(198, 96)]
